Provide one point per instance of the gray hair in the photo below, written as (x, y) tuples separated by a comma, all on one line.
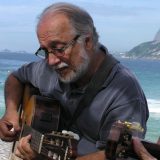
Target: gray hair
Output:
[(81, 21)]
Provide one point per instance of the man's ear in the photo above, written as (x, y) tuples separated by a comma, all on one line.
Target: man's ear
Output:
[(89, 42)]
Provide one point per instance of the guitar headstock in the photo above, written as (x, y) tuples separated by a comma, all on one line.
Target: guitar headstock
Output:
[(119, 141)]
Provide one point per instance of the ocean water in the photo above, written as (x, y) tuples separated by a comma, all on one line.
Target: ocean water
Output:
[(146, 71), (148, 75)]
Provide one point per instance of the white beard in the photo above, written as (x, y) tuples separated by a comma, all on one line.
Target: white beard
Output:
[(79, 71)]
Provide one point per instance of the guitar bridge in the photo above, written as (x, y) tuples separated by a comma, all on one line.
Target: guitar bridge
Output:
[(60, 146), (56, 145)]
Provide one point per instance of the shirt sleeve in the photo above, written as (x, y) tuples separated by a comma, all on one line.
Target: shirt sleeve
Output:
[(28, 73)]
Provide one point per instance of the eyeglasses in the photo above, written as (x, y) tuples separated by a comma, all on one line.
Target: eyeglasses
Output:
[(43, 53)]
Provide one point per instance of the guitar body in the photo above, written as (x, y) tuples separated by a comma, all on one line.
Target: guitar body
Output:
[(40, 113)]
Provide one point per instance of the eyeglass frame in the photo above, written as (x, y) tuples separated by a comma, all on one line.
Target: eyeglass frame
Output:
[(57, 51)]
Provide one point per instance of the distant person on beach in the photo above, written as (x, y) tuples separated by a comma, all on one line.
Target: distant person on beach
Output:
[(74, 63)]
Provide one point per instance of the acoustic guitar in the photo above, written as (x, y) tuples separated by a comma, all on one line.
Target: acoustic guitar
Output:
[(39, 116)]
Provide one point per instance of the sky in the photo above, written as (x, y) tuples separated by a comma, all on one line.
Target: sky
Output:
[(121, 24)]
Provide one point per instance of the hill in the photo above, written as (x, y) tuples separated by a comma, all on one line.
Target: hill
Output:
[(149, 49), (22, 56)]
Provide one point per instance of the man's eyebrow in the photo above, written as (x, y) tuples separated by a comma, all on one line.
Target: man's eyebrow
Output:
[(54, 43)]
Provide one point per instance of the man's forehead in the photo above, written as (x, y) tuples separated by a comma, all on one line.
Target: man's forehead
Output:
[(55, 18), (55, 25), (57, 22)]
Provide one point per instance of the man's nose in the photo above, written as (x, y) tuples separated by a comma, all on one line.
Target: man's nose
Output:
[(53, 59)]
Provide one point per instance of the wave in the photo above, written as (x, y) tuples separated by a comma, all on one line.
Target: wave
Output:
[(154, 105)]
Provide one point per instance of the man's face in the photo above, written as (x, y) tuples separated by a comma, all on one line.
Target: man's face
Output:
[(55, 32)]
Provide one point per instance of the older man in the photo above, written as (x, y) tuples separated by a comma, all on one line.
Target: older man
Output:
[(73, 57)]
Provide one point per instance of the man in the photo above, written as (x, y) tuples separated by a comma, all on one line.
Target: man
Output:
[(73, 57)]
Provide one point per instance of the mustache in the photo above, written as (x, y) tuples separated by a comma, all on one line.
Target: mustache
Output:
[(61, 65)]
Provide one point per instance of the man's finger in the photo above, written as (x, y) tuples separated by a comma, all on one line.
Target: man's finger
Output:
[(20, 149), (18, 154), (25, 144), (25, 149), (5, 133)]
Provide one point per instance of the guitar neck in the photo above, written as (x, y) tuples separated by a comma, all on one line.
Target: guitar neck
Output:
[(152, 148), (119, 143)]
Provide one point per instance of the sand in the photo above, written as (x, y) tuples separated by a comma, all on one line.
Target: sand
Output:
[(5, 149)]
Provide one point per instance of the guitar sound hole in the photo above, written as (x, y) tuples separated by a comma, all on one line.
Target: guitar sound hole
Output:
[(47, 117)]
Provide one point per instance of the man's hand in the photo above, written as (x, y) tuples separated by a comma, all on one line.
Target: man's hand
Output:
[(9, 127), (9, 123), (141, 151), (24, 150)]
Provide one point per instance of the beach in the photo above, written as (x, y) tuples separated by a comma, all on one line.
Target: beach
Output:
[(5, 149)]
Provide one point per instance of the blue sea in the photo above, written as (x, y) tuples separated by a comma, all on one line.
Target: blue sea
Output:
[(146, 71)]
